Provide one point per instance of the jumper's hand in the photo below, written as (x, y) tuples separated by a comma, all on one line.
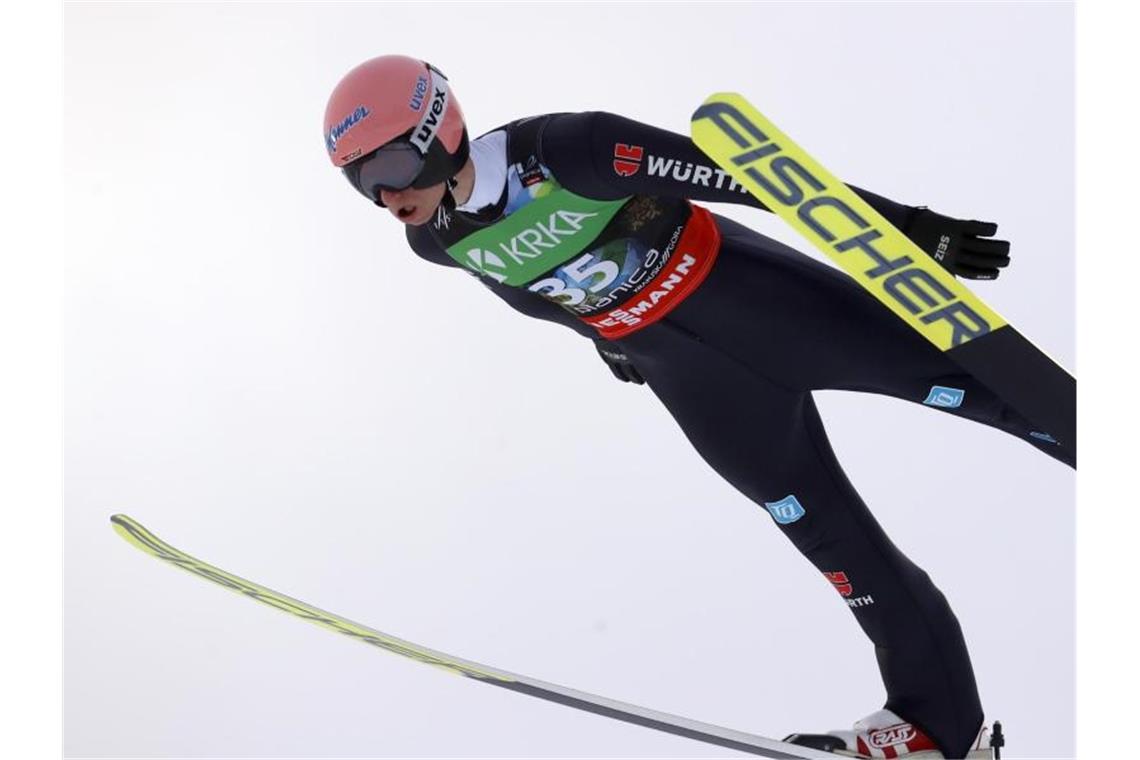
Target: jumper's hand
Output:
[(618, 362), (964, 248)]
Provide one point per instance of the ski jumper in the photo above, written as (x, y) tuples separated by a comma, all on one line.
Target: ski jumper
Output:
[(585, 219)]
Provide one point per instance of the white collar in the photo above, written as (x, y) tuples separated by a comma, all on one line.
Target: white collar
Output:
[(489, 156)]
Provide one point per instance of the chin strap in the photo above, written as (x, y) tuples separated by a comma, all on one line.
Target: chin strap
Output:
[(448, 201)]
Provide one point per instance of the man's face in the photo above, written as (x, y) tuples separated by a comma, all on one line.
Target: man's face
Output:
[(414, 206)]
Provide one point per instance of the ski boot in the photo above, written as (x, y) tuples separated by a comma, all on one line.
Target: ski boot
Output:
[(885, 735)]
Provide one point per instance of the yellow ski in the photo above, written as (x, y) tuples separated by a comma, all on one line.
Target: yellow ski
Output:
[(136, 534), (886, 263)]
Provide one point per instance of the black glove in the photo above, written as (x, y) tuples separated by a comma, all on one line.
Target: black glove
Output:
[(962, 248), (618, 362)]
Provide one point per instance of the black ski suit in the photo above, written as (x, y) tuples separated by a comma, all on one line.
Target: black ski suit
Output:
[(735, 361)]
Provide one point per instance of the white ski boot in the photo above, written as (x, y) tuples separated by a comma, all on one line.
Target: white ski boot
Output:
[(883, 734)]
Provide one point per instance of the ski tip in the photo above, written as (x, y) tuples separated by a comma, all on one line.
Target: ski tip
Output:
[(709, 117), (723, 96), (716, 97), (128, 528)]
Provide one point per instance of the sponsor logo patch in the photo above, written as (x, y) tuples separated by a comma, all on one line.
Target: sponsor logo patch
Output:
[(945, 398), (891, 735), (846, 589), (627, 159), (534, 239), (442, 218), (785, 511), (531, 173), (423, 134), (340, 128), (943, 247), (1043, 437), (686, 269), (839, 580), (416, 101)]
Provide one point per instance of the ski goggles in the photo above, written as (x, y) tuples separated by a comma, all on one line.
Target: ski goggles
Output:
[(395, 166), (415, 159)]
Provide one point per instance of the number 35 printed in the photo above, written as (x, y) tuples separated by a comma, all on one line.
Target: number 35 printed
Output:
[(580, 271)]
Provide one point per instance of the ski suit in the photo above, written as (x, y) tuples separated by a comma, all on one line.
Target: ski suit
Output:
[(593, 227)]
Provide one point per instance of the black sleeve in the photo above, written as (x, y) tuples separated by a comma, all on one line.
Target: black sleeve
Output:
[(602, 155), (530, 304)]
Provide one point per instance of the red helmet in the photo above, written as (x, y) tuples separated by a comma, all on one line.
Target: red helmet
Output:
[(391, 123)]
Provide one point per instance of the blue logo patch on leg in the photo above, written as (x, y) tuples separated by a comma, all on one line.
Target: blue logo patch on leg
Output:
[(786, 510), (1044, 437), (946, 398)]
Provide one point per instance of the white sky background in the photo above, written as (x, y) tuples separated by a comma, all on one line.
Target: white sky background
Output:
[(260, 371)]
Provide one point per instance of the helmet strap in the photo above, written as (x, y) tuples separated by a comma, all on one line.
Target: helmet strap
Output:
[(448, 201), (423, 134)]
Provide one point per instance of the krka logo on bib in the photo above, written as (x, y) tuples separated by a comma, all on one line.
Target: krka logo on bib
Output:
[(538, 237)]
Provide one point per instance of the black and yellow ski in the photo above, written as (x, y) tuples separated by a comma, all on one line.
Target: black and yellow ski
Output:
[(886, 263), (142, 538)]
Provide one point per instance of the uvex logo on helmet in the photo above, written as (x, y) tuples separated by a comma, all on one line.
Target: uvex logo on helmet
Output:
[(425, 132), (347, 123), (418, 92)]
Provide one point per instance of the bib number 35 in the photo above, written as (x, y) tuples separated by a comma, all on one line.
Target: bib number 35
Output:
[(580, 272)]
